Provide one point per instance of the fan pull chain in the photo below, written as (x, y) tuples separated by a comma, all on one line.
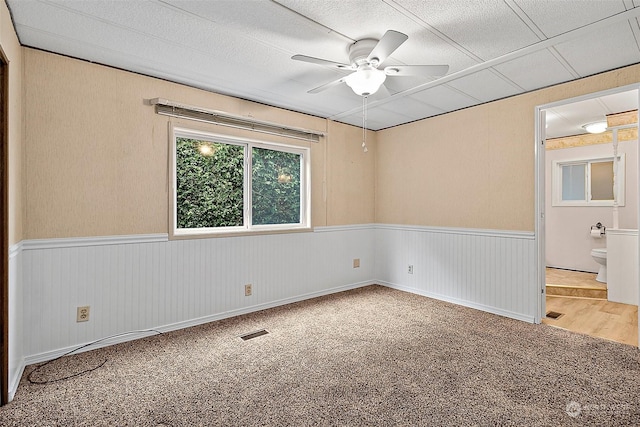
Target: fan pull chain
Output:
[(364, 124)]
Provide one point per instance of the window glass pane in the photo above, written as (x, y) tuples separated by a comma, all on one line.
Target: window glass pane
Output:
[(602, 181), (276, 187), (573, 182), (209, 184)]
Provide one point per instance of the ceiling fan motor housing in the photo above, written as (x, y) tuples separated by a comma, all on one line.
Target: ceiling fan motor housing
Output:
[(360, 50)]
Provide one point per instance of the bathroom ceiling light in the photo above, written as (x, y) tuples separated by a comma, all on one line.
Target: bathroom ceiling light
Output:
[(595, 127)]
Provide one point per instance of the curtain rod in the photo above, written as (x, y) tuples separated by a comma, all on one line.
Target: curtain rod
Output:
[(174, 109)]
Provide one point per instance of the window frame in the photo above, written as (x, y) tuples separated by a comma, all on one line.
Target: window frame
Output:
[(557, 166), (248, 227)]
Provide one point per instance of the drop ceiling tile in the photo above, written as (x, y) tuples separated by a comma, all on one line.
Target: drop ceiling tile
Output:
[(270, 24), (352, 120), (445, 98), (485, 86), (354, 18), (300, 72), (356, 120), (198, 23), (397, 84), (536, 70), (424, 48), (555, 17), (385, 115), (605, 49), (52, 21), (412, 108), (328, 103), (377, 118), (486, 28)]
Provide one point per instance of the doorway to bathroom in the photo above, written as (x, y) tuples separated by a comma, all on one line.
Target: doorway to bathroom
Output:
[(587, 209)]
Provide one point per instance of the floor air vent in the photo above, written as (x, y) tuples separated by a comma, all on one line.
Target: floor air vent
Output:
[(255, 334), (554, 315)]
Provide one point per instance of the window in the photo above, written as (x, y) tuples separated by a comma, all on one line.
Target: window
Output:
[(224, 184), (587, 182)]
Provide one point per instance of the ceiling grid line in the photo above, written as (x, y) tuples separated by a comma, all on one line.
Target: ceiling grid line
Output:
[(562, 60), (635, 29), (313, 21), (526, 19), (506, 79), (433, 30)]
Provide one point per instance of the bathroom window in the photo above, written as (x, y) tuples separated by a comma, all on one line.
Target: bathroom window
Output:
[(587, 182)]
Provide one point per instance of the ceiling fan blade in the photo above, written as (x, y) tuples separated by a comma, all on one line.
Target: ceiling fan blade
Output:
[(326, 86), (416, 70), (320, 61), (387, 44)]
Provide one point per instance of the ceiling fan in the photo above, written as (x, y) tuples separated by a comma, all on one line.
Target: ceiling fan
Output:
[(365, 58)]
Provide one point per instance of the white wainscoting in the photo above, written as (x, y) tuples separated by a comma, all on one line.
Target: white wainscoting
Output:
[(137, 284), (16, 325), (490, 270)]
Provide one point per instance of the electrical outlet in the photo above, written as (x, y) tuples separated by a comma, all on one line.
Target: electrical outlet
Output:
[(247, 290), (82, 314), (410, 269), (356, 263)]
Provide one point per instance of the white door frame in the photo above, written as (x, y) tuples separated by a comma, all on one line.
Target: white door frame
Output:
[(540, 288)]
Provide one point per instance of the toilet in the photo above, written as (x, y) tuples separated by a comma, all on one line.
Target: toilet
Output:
[(600, 256)]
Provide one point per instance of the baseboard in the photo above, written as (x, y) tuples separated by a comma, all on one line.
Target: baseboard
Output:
[(13, 387), (264, 306), (133, 335), (465, 303)]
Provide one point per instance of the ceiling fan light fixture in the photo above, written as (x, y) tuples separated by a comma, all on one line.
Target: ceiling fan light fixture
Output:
[(595, 127), (366, 80)]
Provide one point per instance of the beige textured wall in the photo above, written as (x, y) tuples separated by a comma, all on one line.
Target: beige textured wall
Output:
[(350, 176), (13, 52), (474, 168), (96, 157)]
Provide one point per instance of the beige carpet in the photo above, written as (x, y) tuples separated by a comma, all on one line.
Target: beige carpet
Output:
[(372, 357)]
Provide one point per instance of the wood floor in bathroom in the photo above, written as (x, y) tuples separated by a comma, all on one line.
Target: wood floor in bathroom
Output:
[(591, 316)]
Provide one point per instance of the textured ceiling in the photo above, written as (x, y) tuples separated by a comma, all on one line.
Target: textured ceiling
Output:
[(495, 48)]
